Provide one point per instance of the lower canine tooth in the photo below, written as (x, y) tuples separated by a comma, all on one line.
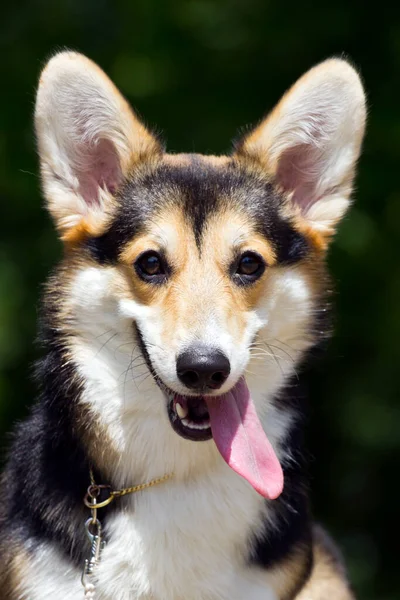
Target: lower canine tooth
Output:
[(181, 411)]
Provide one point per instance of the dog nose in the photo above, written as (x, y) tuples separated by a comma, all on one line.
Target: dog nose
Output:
[(200, 367)]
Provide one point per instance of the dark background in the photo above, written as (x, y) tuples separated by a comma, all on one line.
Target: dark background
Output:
[(199, 70)]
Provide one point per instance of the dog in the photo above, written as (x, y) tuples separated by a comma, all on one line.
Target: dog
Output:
[(191, 293)]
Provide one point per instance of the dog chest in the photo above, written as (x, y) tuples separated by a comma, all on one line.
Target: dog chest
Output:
[(188, 543)]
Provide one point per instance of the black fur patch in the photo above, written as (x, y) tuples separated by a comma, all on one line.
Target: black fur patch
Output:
[(103, 249), (292, 506), (199, 190), (48, 469), (292, 532)]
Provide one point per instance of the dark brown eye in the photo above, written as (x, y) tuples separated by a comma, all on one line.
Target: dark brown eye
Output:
[(249, 268), (150, 267), (150, 264)]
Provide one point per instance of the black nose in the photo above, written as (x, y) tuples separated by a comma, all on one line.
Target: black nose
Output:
[(200, 367)]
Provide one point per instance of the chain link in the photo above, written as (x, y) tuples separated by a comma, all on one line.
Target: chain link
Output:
[(97, 543)]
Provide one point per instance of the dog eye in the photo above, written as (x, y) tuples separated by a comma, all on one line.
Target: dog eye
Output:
[(150, 267), (249, 267)]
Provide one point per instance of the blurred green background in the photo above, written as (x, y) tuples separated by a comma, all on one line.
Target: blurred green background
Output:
[(198, 70)]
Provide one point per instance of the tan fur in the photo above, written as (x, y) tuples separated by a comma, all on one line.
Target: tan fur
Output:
[(74, 236), (328, 578), (288, 577), (198, 282), (182, 160), (13, 564)]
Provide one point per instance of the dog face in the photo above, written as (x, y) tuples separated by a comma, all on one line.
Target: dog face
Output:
[(202, 274), (213, 265)]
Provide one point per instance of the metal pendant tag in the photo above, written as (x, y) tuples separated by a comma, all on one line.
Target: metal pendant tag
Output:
[(93, 532)]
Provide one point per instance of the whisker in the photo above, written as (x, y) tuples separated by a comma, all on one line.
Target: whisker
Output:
[(155, 346), (126, 374), (276, 359), (282, 350), (261, 356), (105, 344), (143, 380), (288, 345), (125, 344), (251, 372), (101, 334)]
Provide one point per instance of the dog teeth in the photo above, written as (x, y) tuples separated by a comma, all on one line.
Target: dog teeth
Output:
[(181, 411), (192, 425)]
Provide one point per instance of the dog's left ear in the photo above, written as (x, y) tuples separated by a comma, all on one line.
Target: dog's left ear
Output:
[(89, 140), (310, 143)]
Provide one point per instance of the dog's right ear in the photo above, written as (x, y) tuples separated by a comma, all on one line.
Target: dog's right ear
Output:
[(310, 143), (89, 139)]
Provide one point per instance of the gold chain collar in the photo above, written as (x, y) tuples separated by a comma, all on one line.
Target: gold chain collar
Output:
[(95, 489), (94, 528)]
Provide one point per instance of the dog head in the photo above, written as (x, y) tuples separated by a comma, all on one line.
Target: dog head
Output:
[(213, 267)]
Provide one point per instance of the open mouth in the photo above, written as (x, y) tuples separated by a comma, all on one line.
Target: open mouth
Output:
[(231, 420), (189, 416)]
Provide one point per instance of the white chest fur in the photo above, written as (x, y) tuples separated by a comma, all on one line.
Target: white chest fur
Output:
[(183, 541), (173, 542)]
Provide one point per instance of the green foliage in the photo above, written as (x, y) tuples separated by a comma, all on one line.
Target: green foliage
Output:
[(199, 70)]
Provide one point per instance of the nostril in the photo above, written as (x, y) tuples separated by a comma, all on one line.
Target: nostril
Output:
[(219, 377), (189, 378)]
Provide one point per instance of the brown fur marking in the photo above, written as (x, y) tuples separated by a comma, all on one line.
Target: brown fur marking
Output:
[(328, 577)]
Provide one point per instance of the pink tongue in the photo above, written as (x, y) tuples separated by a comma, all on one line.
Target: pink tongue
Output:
[(241, 440)]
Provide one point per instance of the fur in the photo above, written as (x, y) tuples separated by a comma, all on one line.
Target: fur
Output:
[(109, 336)]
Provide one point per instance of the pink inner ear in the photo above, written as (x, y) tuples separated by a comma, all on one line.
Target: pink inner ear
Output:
[(298, 171), (101, 170)]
